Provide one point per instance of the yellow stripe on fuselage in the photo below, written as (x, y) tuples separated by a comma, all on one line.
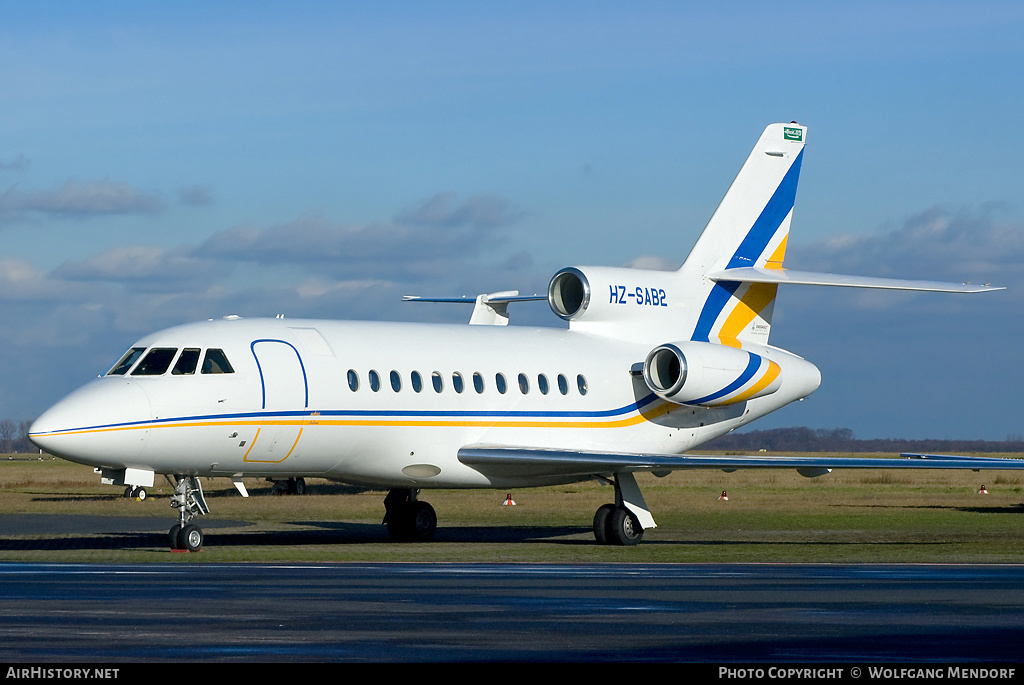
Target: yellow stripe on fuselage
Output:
[(658, 409)]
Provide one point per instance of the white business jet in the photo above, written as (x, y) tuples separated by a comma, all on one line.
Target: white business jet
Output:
[(652, 364)]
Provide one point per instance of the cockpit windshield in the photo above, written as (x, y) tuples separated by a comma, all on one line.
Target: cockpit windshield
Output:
[(129, 358), (156, 362), (187, 362), (216, 362)]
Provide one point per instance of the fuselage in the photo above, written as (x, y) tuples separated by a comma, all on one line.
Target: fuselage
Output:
[(387, 404)]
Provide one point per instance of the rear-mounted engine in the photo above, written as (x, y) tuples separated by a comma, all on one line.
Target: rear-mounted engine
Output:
[(707, 374)]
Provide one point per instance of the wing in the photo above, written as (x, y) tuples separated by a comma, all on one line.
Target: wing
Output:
[(502, 460)]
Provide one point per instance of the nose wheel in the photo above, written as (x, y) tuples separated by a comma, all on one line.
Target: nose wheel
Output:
[(188, 537), (189, 501)]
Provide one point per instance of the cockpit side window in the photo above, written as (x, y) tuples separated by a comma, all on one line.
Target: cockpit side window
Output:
[(216, 362), (129, 358), (156, 362), (187, 362)]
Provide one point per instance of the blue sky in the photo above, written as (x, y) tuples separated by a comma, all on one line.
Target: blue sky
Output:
[(167, 162)]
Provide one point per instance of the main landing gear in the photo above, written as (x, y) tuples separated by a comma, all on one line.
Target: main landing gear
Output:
[(619, 524), (292, 486), (408, 519), (189, 501)]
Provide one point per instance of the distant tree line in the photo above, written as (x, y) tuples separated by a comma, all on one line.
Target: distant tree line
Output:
[(842, 440), (14, 436)]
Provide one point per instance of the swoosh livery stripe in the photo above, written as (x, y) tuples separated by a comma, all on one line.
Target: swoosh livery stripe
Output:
[(751, 248)]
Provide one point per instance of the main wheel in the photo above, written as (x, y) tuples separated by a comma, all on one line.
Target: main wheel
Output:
[(190, 538), (601, 518), (423, 522), (624, 528), (411, 522)]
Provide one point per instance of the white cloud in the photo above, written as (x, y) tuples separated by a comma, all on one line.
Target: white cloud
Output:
[(940, 243), (77, 199), (479, 211), (421, 243), (144, 266)]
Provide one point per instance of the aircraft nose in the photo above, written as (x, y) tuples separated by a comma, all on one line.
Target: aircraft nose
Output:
[(103, 423)]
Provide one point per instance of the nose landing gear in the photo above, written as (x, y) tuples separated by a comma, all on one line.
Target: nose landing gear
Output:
[(189, 501)]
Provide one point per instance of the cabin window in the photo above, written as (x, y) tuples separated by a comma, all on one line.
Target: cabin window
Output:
[(187, 362), (374, 380), (216, 362), (478, 382), (417, 381), (457, 382), (524, 383), (353, 380), (396, 381), (129, 358), (500, 383), (563, 384), (437, 381), (581, 383), (542, 384), (156, 362)]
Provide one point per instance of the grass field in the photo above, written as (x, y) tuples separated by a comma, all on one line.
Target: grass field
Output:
[(771, 516)]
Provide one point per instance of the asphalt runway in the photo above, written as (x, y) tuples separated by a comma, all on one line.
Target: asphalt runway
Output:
[(259, 613)]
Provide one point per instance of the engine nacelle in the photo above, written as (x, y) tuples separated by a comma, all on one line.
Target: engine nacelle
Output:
[(613, 295), (707, 374)]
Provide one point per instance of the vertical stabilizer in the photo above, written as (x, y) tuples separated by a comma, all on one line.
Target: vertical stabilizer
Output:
[(749, 229)]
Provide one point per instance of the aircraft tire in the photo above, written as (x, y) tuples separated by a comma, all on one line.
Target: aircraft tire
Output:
[(423, 521), (412, 522), (190, 538), (624, 528), (174, 536), (601, 519), (140, 493)]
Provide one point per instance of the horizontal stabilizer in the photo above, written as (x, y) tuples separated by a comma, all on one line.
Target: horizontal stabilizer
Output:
[(506, 296), (553, 462), (759, 275), (491, 309)]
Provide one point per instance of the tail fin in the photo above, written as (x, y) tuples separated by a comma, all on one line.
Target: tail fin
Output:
[(750, 228), (725, 290)]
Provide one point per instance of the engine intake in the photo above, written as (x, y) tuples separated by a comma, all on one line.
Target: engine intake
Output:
[(569, 293)]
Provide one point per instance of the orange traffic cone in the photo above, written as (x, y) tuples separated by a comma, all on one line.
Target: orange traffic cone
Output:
[(983, 491), (723, 496), (508, 500)]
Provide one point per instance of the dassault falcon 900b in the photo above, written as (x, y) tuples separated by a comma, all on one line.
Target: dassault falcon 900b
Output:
[(652, 364)]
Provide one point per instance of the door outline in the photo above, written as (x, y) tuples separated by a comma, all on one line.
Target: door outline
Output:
[(279, 424)]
